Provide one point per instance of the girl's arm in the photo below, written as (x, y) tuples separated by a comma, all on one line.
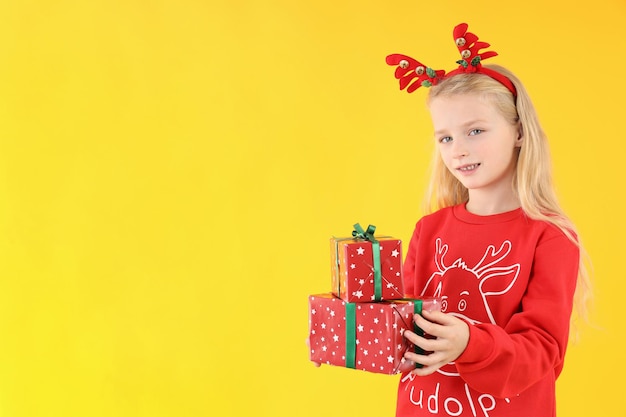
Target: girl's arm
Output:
[(504, 361)]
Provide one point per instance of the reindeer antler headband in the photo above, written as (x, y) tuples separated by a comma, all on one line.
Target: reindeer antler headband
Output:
[(413, 74)]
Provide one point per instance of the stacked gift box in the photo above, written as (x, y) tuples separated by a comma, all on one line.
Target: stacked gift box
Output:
[(359, 324)]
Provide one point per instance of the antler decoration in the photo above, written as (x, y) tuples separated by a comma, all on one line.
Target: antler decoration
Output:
[(468, 46), (412, 74)]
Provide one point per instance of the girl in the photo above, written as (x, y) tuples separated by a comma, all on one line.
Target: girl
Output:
[(496, 247)]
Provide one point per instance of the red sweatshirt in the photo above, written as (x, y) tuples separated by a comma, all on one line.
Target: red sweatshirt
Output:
[(512, 279)]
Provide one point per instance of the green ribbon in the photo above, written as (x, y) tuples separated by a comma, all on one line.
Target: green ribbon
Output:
[(417, 309), (359, 233), (350, 335), (351, 332)]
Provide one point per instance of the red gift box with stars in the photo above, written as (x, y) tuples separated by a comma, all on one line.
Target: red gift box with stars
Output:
[(353, 269), (365, 336)]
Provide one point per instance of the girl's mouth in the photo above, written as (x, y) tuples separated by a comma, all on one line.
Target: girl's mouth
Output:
[(466, 168)]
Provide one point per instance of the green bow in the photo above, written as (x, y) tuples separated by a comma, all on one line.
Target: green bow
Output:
[(368, 234)]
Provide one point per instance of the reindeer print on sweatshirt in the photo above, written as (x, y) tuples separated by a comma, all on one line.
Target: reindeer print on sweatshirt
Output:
[(489, 277)]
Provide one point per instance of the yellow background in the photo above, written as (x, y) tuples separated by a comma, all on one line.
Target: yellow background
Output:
[(171, 172)]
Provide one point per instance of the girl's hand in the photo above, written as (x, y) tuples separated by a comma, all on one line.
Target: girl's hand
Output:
[(451, 336)]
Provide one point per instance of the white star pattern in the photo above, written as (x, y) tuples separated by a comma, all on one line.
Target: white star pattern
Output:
[(391, 261), (380, 345), (361, 281), (358, 294)]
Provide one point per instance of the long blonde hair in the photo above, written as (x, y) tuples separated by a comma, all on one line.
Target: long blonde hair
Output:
[(532, 181)]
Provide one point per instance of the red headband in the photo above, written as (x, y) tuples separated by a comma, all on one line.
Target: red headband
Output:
[(413, 74)]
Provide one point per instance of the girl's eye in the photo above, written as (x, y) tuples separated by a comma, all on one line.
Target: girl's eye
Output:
[(474, 132), (445, 139)]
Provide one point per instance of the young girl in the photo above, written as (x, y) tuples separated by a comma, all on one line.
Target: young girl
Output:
[(497, 249)]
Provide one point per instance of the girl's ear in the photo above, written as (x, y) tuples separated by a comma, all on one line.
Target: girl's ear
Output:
[(520, 137)]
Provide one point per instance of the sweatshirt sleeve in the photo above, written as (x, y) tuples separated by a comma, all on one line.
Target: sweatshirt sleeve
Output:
[(504, 361)]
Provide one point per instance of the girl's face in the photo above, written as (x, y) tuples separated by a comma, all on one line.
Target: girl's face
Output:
[(477, 144)]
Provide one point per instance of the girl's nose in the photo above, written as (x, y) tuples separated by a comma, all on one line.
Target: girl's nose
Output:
[(459, 149)]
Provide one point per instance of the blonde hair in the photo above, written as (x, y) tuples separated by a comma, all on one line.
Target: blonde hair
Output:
[(532, 181)]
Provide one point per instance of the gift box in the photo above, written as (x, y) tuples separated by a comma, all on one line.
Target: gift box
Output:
[(365, 336), (366, 268)]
